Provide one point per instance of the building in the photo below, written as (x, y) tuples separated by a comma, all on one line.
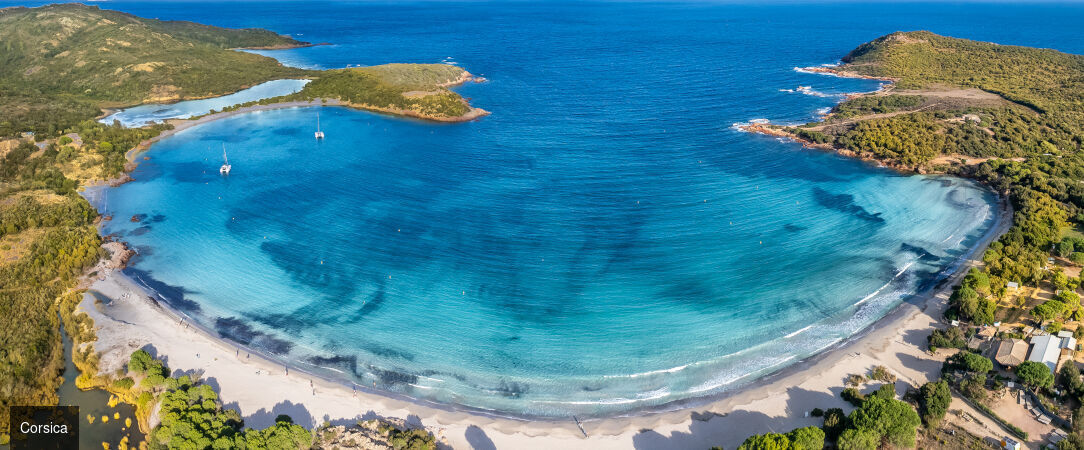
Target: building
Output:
[(1013, 285), (1011, 352), (1047, 349)]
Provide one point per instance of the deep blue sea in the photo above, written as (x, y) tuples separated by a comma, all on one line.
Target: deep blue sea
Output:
[(604, 242)]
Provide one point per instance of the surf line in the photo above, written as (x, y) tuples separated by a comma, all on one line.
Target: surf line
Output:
[(878, 291)]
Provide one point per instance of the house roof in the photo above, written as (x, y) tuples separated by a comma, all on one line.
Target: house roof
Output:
[(1011, 352), (1047, 349)]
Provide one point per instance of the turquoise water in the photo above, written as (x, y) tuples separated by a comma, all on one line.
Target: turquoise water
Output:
[(145, 114), (525, 280), (604, 242)]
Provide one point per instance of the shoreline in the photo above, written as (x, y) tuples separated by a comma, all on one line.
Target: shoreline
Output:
[(137, 320), (771, 402)]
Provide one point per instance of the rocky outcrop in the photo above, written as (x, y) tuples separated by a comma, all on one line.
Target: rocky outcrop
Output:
[(376, 434)]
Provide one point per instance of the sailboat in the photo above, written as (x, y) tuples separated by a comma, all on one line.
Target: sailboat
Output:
[(319, 134), (225, 169)]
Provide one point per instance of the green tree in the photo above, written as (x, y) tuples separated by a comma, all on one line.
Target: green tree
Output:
[(139, 361), (1074, 441), (855, 439), (770, 441), (934, 399), (892, 421), (834, 423), (952, 337), (807, 438), (966, 300), (1049, 310), (1070, 378), (1070, 299), (1035, 374), (1077, 258), (972, 362)]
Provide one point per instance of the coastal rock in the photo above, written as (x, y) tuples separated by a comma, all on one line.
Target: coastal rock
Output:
[(123, 178), (119, 254), (841, 73)]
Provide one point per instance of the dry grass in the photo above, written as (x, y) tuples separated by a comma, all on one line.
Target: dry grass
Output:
[(15, 246)]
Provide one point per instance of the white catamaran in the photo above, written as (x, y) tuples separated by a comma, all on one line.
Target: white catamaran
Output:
[(319, 134), (225, 169)]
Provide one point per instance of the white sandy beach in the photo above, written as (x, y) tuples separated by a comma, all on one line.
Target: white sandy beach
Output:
[(261, 389)]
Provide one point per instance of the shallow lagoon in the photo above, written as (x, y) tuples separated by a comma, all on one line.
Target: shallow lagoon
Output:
[(141, 115)]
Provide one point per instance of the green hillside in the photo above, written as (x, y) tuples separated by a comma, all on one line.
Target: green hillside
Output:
[(1011, 117), (413, 87), (60, 63), (1046, 80)]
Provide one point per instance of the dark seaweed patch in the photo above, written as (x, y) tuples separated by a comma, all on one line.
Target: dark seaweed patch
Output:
[(511, 389), (193, 172), (349, 363), (689, 290), (844, 203), (147, 171), (289, 131), (290, 323), (388, 352), (923, 254), (370, 304), (174, 296), (140, 231), (391, 377), (238, 331), (792, 228)]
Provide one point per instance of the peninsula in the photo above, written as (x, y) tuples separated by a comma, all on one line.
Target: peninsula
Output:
[(63, 63), (1011, 118)]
